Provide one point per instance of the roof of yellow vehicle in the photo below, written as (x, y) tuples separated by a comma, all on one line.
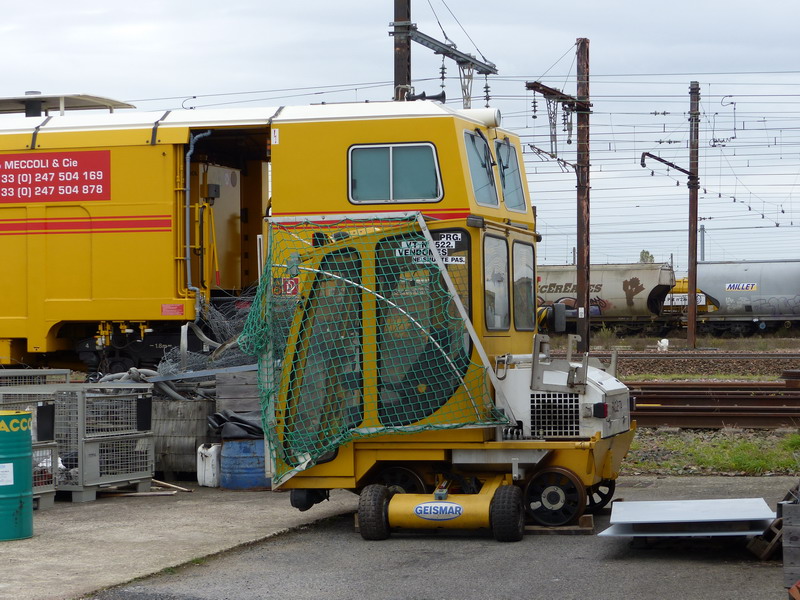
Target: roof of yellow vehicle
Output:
[(59, 102), (232, 117)]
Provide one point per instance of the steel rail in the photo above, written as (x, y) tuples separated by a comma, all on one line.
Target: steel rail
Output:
[(708, 355), (714, 405)]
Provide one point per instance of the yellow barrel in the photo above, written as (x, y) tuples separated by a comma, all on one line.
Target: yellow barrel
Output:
[(16, 475)]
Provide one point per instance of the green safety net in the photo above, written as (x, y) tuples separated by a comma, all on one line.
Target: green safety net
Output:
[(358, 334)]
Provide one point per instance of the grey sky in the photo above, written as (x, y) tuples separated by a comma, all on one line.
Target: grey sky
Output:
[(642, 58)]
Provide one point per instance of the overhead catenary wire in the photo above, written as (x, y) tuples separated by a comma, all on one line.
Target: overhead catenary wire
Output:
[(638, 112)]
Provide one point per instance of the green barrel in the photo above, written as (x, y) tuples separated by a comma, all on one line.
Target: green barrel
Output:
[(16, 475)]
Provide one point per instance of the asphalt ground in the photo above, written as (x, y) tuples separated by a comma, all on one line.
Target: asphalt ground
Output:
[(81, 548)]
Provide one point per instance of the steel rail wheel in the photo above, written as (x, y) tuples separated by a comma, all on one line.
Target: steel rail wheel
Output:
[(373, 512), (402, 480), (599, 495), (507, 514), (555, 497)]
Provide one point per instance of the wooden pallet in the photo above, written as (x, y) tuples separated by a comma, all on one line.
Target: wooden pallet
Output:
[(765, 545)]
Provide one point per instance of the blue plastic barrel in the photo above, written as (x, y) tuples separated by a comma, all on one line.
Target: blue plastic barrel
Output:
[(16, 475), (242, 465)]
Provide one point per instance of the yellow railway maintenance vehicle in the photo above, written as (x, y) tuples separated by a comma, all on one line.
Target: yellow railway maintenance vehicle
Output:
[(396, 335)]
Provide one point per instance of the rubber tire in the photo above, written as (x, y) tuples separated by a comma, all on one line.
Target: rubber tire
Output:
[(507, 514), (373, 512)]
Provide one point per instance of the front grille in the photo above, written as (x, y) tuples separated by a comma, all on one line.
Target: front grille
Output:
[(555, 415)]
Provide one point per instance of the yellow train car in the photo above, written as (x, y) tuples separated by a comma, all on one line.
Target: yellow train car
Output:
[(118, 228)]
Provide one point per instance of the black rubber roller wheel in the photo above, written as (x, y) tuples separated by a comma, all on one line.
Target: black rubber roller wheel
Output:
[(373, 512), (599, 495), (507, 514)]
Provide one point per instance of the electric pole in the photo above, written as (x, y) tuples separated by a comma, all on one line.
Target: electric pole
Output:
[(694, 185), (581, 106), (404, 33), (402, 49), (582, 172)]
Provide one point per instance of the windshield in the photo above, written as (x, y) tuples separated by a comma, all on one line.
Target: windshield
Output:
[(480, 161), (510, 179)]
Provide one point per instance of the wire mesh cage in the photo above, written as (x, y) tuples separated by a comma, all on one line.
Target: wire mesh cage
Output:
[(45, 467), (14, 377), (104, 434)]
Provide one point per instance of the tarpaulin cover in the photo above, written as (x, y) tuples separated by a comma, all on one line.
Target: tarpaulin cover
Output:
[(230, 425)]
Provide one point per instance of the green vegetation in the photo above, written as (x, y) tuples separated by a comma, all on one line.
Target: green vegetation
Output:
[(697, 377), (729, 451), (604, 337)]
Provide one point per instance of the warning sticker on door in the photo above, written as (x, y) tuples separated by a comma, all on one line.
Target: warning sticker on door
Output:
[(446, 244)]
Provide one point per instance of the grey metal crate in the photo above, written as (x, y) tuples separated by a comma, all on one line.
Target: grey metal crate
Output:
[(10, 377), (103, 432), (103, 462), (104, 437), (90, 412)]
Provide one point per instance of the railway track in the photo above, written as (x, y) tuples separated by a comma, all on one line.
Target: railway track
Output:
[(714, 405), (695, 355)]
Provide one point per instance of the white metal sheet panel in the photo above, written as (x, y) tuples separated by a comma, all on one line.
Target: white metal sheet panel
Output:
[(691, 511), (628, 530)]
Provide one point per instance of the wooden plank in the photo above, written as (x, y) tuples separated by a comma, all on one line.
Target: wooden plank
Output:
[(791, 543), (238, 404), (791, 535), (246, 378), (791, 575), (585, 526), (238, 392)]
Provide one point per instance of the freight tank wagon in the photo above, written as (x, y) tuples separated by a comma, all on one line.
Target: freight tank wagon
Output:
[(750, 296)]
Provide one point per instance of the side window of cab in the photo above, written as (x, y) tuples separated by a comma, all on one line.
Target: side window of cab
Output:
[(394, 173)]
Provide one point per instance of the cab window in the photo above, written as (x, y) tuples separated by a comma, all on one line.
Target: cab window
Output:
[(480, 161), (423, 352), (495, 282), (327, 369), (394, 173), (510, 179), (524, 296)]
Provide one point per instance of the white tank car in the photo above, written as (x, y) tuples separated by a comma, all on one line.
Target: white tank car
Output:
[(751, 295)]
